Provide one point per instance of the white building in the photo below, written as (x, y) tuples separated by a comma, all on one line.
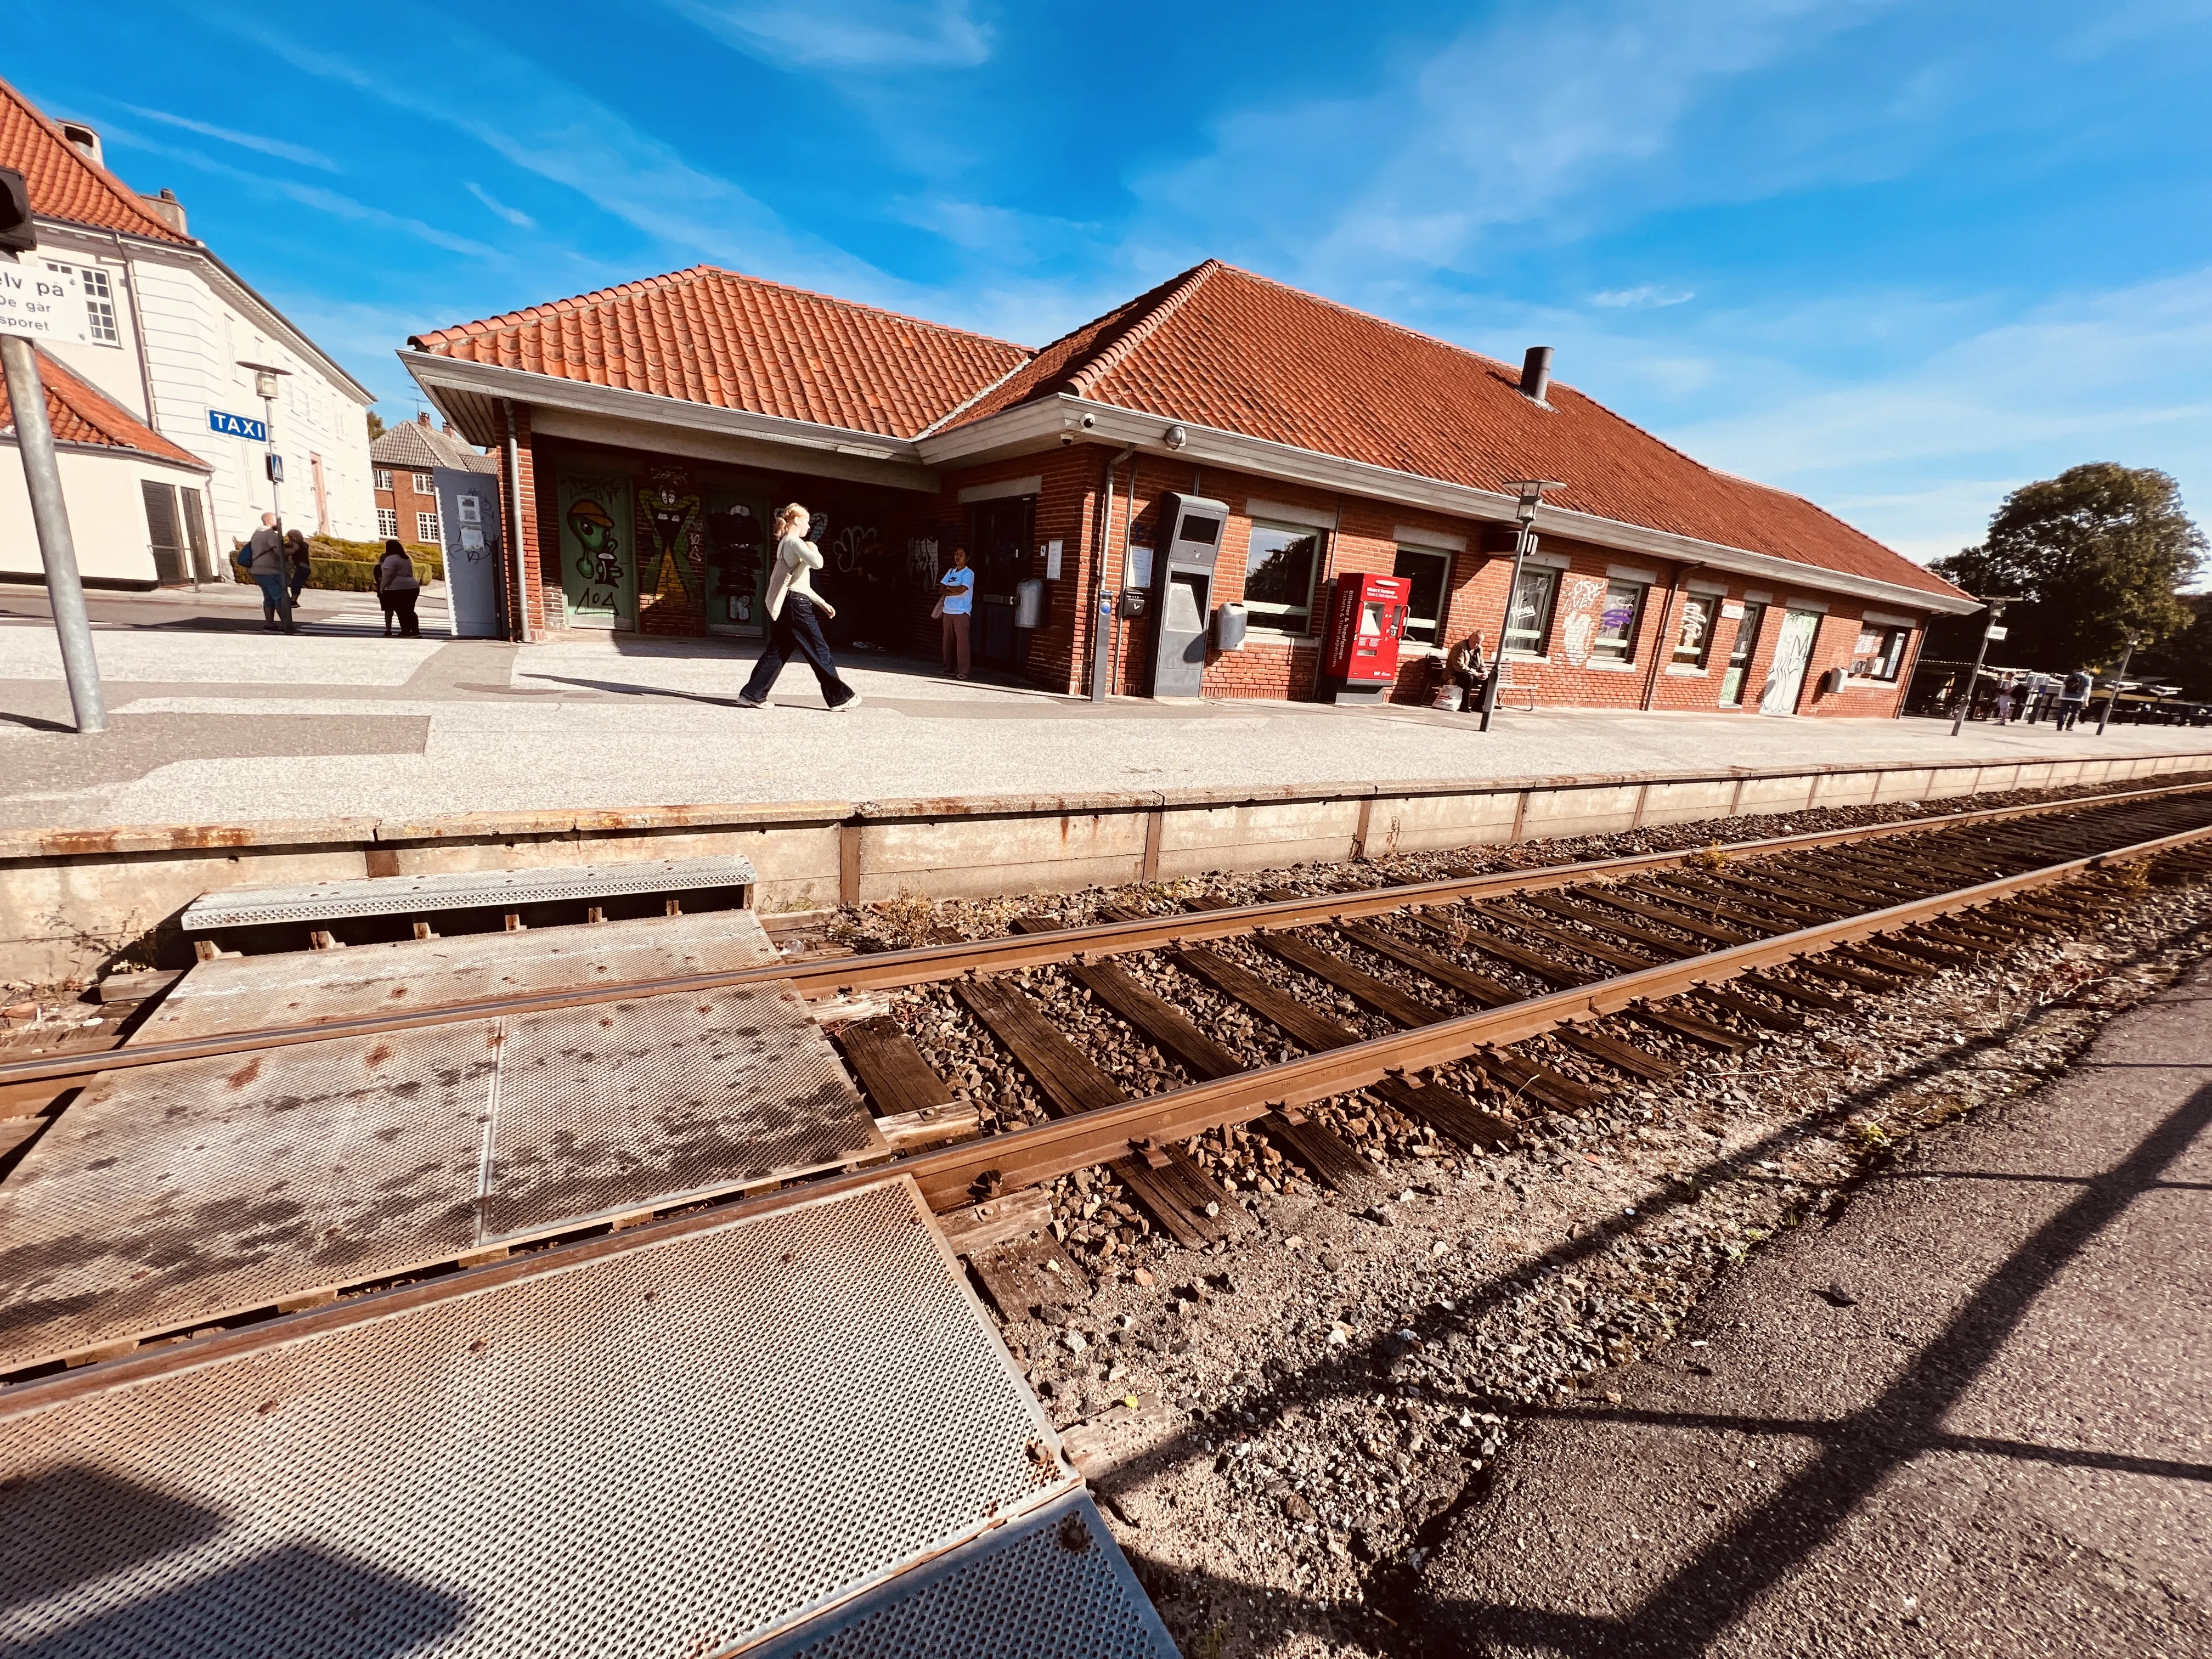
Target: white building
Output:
[(170, 325)]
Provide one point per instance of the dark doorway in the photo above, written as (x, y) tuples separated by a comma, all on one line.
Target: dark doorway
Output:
[(998, 546), (165, 531)]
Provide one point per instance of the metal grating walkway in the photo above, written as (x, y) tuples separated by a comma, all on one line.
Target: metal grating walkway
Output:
[(679, 1443), (171, 1196), (459, 890)]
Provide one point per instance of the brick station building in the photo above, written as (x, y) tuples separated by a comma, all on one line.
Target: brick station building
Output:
[(649, 431)]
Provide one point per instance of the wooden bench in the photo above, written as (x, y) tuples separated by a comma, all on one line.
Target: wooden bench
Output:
[(1517, 677)]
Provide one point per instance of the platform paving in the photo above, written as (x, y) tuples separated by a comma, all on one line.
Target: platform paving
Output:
[(216, 721), (1971, 1414)]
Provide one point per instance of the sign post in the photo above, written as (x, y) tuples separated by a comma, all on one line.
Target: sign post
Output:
[(1992, 629), (1532, 497), (38, 303)]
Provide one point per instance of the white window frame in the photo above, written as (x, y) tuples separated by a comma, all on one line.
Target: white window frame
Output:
[(387, 523), (99, 303), (1890, 655), (426, 529), (1260, 613), (1542, 633), (1696, 660), (1436, 623), (425, 484), (383, 477), (1623, 651)]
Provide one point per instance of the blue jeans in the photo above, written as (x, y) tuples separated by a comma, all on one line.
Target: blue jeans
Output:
[(275, 600), (797, 632)]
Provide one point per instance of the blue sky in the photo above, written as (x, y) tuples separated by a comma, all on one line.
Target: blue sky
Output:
[(1899, 257)]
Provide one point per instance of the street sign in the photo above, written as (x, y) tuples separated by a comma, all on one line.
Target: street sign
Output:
[(1996, 633), (44, 300), (238, 426)]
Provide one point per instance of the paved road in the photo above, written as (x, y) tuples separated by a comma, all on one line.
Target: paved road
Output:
[(216, 721), (1970, 1415)]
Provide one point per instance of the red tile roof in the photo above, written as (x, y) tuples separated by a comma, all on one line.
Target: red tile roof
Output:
[(1222, 348), (80, 414), (710, 336), (62, 183)]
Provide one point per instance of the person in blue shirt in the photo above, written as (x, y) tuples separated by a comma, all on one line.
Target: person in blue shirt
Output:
[(957, 586)]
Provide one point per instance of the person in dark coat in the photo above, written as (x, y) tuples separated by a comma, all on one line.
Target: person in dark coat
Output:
[(296, 554), (397, 588)]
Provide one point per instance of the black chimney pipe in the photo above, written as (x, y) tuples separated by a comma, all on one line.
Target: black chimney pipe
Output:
[(1536, 373)]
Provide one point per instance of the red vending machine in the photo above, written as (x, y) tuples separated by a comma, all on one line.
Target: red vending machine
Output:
[(1364, 627)]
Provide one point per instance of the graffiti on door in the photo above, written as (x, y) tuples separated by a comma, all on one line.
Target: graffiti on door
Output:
[(598, 575)]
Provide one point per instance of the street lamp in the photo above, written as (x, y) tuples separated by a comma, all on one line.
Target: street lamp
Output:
[(1532, 496), (1990, 631), (2120, 680), (264, 387)]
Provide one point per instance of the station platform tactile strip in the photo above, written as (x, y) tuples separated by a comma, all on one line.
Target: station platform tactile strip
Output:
[(670, 1443), (172, 1195)]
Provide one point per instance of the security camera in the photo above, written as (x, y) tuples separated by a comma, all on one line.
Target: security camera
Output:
[(1175, 437), (1090, 420), (1066, 438)]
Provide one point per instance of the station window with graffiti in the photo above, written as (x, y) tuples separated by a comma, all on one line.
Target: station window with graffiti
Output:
[(1616, 640), (1528, 619), (1693, 642), (1879, 653)]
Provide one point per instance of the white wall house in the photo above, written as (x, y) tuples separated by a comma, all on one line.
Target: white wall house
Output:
[(169, 325)]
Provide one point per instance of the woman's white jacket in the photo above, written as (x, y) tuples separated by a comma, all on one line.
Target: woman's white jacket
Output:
[(795, 561)]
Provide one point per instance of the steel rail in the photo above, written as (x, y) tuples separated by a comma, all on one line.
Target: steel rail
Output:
[(898, 969), (953, 1176)]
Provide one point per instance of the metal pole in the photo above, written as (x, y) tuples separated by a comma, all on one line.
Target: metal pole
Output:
[(1523, 546), (34, 437), (2118, 680), (1974, 679)]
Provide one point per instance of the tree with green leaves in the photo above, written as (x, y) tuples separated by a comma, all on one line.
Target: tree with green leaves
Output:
[(375, 426), (2092, 555)]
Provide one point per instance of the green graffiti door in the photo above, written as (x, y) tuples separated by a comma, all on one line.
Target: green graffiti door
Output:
[(738, 558), (599, 563)]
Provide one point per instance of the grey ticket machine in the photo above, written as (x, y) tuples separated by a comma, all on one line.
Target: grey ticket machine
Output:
[(1182, 588)]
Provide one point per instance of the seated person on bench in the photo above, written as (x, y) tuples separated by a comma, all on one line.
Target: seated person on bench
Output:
[(1465, 667)]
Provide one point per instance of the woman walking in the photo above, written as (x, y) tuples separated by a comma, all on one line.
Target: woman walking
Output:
[(301, 561), (397, 588), (957, 606), (795, 613)]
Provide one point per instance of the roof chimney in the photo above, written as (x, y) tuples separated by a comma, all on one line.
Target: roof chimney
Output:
[(84, 141), (167, 209), (1536, 374), (422, 417)]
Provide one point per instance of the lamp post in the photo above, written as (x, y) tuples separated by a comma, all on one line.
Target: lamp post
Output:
[(42, 479), (2119, 681), (1532, 496), (1990, 631), (264, 387)]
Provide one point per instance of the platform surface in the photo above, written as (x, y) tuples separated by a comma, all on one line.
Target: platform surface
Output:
[(459, 890), (651, 1446), (170, 1196)]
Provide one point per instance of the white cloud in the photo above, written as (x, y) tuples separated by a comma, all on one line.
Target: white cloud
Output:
[(847, 34), (1648, 296), (514, 216), (254, 141)]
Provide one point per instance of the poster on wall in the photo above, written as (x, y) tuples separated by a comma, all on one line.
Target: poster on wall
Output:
[(1581, 605), (598, 566)]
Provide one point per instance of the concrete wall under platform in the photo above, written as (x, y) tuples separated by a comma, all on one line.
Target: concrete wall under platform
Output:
[(74, 901)]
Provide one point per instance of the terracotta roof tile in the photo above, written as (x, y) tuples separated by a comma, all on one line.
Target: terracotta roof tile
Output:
[(81, 414), (710, 336), (62, 183), (416, 447), (1222, 348)]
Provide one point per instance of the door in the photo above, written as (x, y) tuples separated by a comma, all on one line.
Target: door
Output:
[(196, 536), (166, 533), (1740, 653), (468, 513), (999, 548), (599, 563), (737, 564), (1793, 649)]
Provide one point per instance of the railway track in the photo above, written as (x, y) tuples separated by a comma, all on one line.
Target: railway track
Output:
[(1464, 1005)]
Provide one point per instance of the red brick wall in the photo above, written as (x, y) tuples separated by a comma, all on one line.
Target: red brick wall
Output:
[(1065, 508)]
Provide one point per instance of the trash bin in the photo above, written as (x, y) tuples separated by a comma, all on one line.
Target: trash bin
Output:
[(1029, 603), (1230, 622)]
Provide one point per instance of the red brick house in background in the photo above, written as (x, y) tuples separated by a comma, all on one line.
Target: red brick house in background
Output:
[(404, 461), (650, 429)]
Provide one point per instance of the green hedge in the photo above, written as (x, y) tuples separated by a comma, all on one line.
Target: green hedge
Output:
[(350, 567)]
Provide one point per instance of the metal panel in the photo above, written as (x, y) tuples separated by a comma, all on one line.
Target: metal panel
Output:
[(176, 1194), (678, 1445), (452, 890), (234, 993), (1052, 1586)]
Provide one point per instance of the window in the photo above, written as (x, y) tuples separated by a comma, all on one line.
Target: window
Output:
[(425, 484), (1616, 622), (387, 523), (1739, 654), (1430, 575), (384, 477), (1693, 641), (1279, 578), (99, 303), (426, 527), (1529, 618), (1879, 653)]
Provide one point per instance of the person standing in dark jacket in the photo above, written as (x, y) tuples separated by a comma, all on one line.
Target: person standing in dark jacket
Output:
[(295, 553), (397, 588), (270, 570)]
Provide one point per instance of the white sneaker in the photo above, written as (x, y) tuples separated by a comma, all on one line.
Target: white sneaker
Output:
[(852, 702)]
